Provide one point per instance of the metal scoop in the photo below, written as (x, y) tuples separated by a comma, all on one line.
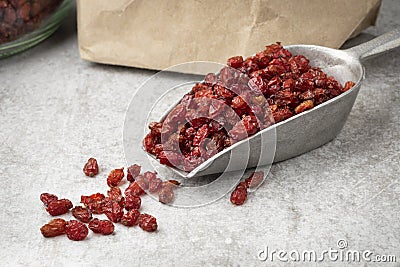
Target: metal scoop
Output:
[(310, 129)]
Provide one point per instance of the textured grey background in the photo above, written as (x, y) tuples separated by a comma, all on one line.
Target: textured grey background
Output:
[(57, 110)]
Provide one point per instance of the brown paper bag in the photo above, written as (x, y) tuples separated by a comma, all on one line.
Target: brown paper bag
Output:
[(156, 34)]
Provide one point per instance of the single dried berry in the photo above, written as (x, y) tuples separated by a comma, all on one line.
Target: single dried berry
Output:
[(142, 182), (155, 185), (308, 104), (133, 172), (113, 211), (94, 202), (239, 195), (76, 230), (132, 202), (235, 62), (149, 176), (46, 198), (115, 177), (131, 218), (134, 189), (166, 195), (255, 179), (59, 207), (104, 227), (115, 194), (82, 214), (147, 222), (54, 228), (91, 168)]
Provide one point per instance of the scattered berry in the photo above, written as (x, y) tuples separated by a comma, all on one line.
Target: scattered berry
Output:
[(147, 222), (46, 198), (115, 177), (91, 168), (54, 228), (76, 230), (59, 207), (131, 218), (82, 214), (104, 227)]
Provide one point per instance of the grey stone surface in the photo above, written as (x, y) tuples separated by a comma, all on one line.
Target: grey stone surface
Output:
[(57, 110)]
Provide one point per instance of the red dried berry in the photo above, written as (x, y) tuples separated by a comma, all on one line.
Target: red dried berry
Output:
[(132, 202), (255, 179), (235, 62), (91, 168), (115, 194), (147, 222), (148, 176), (133, 172), (104, 227), (113, 211), (115, 177), (94, 202), (308, 104), (131, 218), (46, 198), (59, 207), (166, 195), (134, 189), (239, 195), (155, 185), (76, 230), (82, 214), (54, 228), (142, 182)]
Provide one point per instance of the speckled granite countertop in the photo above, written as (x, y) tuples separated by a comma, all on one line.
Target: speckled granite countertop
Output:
[(57, 110)]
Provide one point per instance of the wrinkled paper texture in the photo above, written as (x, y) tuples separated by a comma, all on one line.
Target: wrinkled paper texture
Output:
[(156, 34)]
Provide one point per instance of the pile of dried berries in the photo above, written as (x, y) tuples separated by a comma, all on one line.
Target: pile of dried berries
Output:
[(240, 100), (18, 17), (112, 205)]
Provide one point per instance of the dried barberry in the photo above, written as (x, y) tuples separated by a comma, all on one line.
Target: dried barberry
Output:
[(113, 211), (54, 228), (46, 198), (104, 227), (239, 195), (147, 222), (115, 194), (131, 218), (115, 177), (166, 195), (134, 189), (76, 230), (94, 202), (91, 167), (133, 171), (59, 207), (155, 185), (82, 214), (132, 202), (255, 179)]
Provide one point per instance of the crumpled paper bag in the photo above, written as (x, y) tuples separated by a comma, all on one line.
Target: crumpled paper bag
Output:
[(156, 34)]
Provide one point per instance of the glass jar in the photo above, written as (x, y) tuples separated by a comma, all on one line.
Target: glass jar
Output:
[(25, 23)]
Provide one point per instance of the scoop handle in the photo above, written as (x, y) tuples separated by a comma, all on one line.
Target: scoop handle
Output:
[(380, 44)]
